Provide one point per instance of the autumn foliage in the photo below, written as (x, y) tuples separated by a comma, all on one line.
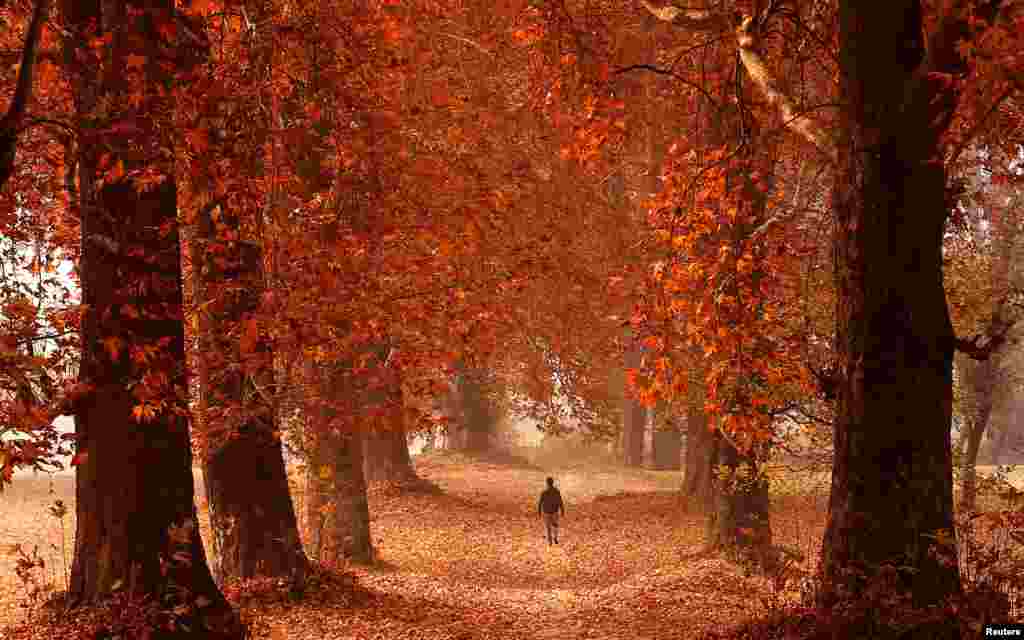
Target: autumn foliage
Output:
[(572, 205)]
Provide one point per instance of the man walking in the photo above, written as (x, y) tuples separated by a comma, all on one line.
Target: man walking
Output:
[(548, 507)]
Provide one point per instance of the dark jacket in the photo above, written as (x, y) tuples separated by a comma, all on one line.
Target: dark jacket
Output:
[(551, 501)]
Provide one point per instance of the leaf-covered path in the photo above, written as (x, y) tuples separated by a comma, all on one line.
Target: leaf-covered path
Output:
[(471, 562)]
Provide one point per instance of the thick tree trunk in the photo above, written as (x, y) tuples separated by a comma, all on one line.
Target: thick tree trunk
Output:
[(337, 511), (892, 487), (137, 530), (251, 511)]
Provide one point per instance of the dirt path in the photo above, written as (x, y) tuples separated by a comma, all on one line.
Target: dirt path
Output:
[(627, 565), (471, 562)]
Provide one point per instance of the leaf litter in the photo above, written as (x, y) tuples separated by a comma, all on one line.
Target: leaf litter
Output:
[(468, 559)]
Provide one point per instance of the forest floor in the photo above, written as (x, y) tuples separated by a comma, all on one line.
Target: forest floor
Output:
[(470, 560)]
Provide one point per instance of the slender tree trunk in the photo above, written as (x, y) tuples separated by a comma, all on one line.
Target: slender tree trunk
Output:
[(648, 454), (981, 379), (892, 487), (1003, 445), (137, 528), (702, 448), (429, 440), (633, 415), (338, 514), (668, 449)]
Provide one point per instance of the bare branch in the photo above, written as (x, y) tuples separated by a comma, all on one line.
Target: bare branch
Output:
[(753, 62), (471, 43), (980, 347), (797, 121), (668, 72), (696, 19)]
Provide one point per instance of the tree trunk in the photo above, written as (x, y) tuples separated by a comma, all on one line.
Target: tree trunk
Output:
[(386, 453), (473, 427), (633, 415), (1007, 445), (738, 506), (702, 448), (385, 443), (337, 511), (668, 449), (892, 487), (648, 453), (137, 528), (429, 441), (251, 511), (980, 379)]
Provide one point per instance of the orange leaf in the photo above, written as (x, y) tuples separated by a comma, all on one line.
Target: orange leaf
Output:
[(250, 336), (134, 61), (113, 346)]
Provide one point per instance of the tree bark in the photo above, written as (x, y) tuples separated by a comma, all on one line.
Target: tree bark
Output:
[(892, 484), (668, 449), (738, 506), (1007, 447), (337, 511), (702, 447), (633, 415), (251, 511), (137, 530), (648, 443), (981, 379), (385, 443), (386, 452), (474, 423)]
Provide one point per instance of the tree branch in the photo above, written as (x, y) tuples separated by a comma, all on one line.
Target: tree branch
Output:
[(981, 347), (747, 39), (696, 19), (800, 123), (668, 72), (471, 43)]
